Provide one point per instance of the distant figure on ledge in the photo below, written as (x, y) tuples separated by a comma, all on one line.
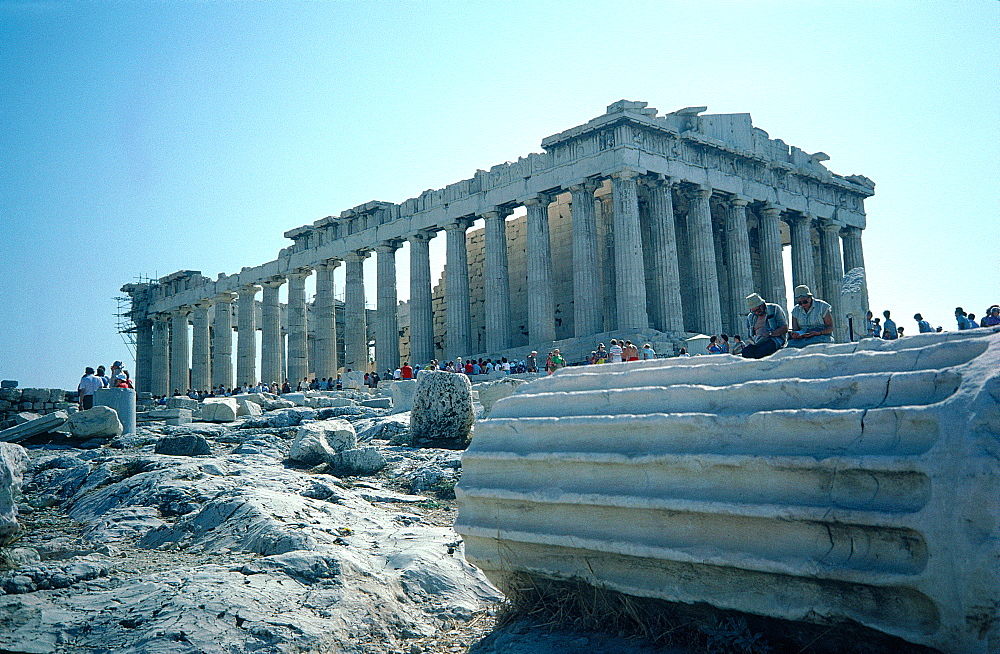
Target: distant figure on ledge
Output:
[(767, 325), (812, 321)]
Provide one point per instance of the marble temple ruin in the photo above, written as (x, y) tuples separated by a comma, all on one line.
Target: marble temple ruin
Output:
[(636, 224)]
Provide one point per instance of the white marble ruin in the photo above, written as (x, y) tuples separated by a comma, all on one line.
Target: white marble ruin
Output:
[(667, 222), (851, 482)]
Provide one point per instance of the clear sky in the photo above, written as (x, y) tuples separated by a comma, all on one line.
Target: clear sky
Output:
[(141, 138)]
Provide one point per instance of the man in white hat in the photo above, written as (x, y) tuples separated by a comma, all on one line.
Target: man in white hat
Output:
[(812, 321), (766, 326)]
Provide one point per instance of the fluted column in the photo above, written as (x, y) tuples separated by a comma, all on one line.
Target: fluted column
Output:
[(180, 350), (458, 317), (496, 281), (587, 314), (772, 270), (387, 318), (738, 262), (142, 375), (298, 325), (355, 322), (270, 331), (803, 266), (421, 309), (541, 299), (704, 271), (222, 342), (324, 310), (246, 336), (201, 363), (630, 278), (159, 373), (854, 256), (664, 301), (833, 273)]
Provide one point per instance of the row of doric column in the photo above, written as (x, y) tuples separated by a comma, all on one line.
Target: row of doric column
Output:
[(649, 269)]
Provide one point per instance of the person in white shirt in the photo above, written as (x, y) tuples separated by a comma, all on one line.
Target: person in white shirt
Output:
[(88, 384), (615, 351)]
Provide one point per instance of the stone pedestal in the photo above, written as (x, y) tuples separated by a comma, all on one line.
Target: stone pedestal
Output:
[(122, 400)]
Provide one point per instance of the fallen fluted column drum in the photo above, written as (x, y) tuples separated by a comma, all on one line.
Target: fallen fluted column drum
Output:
[(121, 400), (854, 482)]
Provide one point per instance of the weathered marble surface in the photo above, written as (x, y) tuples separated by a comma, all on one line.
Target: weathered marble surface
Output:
[(13, 462), (442, 413), (845, 482)]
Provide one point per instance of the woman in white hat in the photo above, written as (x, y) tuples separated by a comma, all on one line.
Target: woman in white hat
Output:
[(812, 321)]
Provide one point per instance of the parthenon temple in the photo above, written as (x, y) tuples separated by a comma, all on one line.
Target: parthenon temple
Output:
[(635, 224)]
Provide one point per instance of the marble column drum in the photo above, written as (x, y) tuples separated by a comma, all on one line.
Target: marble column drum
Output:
[(541, 302), (772, 269), (421, 307), (803, 266), (201, 363), (270, 331), (298, 326), (180, 350), (324, 310), (587, 315), (387, 317), (704, 271), (630, 278), (355, 321), (854, 256), (222, 341), (246, 335), (496, 281), (738, 262), (664, 301), (160, 361), (458, 317)]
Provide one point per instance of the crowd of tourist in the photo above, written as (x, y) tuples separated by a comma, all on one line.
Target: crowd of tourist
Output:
[(93, 380)]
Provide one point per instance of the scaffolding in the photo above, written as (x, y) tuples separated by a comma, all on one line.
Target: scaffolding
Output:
[(127, 309)]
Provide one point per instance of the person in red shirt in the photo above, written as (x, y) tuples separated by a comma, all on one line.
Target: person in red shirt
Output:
[(468, 367), (406, 372)]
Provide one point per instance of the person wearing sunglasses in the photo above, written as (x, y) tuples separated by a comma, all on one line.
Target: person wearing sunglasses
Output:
[(812, 321)]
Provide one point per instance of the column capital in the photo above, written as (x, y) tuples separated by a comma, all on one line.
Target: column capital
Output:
[(496, 213), (224, 298), (739, 201), (328, 264), (387, 247), (700, 191), (580, 185), (181, 311), (356, 256), (301, 272), (850, 231), (536, 198), (457, 225), (828, 225), (656, 180), (160, 317), (772, 209), (793, 218), (423, 235), (250, 288), (625, 174), (205, 304), (274, 281)]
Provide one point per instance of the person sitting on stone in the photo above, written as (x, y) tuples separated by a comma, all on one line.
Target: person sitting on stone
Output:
[(812, 321), (767, 325), (737, 348), (724, 343), (713, 345)]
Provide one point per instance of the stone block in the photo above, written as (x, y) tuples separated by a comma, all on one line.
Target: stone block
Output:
[(4, 405), (402, 394), (731, 473), (13, 463), (318, 442), (354, 380), (8, 383), (491, 392), (98, 422), (179, 402), (247, 407), (359, 461), (34, 395), (57, 395), (442, 413), (25, 416), (183, 445), (180, 416), (219, 409), (378, 403), (42, 425), (26, 406), (299, 399)]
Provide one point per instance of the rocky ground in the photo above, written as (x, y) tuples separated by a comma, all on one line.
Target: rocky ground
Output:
[(240, 549)]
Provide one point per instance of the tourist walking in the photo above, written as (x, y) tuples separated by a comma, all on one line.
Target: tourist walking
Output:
[(889, 331), (767, 325), (812, 321), (88, 384), (923, 326)]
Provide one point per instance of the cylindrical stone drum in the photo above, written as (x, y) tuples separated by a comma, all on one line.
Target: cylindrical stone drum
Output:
[(121, 400)]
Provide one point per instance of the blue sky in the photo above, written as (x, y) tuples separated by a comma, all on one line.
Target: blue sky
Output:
[(140, 138)]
